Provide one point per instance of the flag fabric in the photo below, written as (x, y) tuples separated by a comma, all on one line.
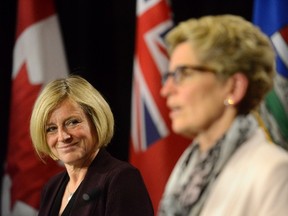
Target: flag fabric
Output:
[(154, 148), (272, 18), (38, 57)]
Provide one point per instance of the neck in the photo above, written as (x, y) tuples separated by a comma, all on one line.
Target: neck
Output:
[(209, 137), (78, 171)]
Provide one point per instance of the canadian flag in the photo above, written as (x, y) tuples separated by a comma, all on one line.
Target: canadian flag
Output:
[(37, 59)]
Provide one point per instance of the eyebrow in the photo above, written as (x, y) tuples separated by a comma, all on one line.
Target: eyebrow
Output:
[(196, 67)]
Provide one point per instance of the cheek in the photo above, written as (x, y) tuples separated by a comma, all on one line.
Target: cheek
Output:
[(92, 133), (204, 92), (202, 101), (194, 96), (51, 141), (93, 139)]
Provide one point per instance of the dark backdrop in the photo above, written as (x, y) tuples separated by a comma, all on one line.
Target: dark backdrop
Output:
[(99, 41)]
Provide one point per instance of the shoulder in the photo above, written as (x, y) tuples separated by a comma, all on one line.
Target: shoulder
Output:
[(121, 185), (257, 165), (106, 168), (255, 178), (109, 163), (259, 153), (50, 190), (55, 180)]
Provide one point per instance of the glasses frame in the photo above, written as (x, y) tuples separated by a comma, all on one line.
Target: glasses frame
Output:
[(178, 73)]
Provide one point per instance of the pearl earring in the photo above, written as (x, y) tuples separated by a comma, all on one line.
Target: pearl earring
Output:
[(228, 102)]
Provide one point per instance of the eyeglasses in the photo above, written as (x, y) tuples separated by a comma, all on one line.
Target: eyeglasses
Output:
[(181, 72)]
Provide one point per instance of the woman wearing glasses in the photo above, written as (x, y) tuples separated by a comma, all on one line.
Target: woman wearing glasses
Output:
[(221, 67)]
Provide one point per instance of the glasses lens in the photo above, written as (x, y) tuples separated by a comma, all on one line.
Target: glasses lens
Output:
[(165, 77), (183, 71)]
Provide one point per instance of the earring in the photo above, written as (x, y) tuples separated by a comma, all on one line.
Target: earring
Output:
[(228, 102)]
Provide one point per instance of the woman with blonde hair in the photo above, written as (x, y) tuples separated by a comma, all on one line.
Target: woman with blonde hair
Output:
[(71, 122), (221, 67)]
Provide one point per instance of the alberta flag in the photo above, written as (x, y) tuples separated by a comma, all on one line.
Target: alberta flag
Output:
[(38, 57), (154, 148), (272, 18)]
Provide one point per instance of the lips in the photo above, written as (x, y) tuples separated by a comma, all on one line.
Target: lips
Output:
[(174, 111), (173, 107), (66, 146)]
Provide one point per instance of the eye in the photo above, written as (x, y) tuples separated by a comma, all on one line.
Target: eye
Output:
[(51, 129), (181, 73), (72, 122), (186, 71)]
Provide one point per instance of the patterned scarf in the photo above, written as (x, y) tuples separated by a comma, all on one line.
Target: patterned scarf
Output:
[(194, 174)]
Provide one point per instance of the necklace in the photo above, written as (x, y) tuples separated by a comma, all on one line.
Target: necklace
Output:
[(69, 196)]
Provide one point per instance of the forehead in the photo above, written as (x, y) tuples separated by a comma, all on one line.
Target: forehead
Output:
[(66, 108), (183, 54)]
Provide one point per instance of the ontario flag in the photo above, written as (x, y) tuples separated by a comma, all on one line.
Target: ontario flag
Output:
[(154, 148), (272, 17), (38, 57)]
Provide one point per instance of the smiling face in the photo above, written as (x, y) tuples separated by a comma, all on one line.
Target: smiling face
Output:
[(196, 103), (70, 134)]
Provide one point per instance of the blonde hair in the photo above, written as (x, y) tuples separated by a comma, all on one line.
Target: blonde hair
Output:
[(230, 44), (79, 90)]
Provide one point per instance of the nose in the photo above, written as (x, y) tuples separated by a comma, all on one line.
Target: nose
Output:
[(167, 87), (64, 136)]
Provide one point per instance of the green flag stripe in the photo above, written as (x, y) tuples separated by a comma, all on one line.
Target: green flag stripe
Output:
[(275, 107)]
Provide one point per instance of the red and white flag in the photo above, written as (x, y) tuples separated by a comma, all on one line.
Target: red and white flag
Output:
[(38, 58), (154, 148)]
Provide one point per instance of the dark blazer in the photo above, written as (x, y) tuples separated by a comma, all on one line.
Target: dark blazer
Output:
[(110, 188)]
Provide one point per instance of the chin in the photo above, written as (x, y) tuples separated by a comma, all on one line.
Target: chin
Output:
[(182, 131), (179, 131)]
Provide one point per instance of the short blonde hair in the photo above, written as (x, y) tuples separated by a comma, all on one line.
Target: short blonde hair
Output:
[(230, 44), (79, 90)]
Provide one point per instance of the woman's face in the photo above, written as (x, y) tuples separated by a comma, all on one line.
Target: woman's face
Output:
[(196, 102), (70, 134)]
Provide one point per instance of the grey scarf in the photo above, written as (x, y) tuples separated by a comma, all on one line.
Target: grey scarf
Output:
[(194, 174)]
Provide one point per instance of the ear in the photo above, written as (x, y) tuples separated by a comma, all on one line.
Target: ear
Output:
[(240, 85)]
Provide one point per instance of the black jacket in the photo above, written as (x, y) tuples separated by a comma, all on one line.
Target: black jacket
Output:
[(110, 188)]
